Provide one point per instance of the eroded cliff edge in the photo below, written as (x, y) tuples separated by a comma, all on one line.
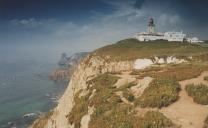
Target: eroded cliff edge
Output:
[(87, 69)]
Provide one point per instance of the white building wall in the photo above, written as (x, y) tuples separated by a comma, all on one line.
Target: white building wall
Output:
[(174, 36), (194, 40), (146, 37), (169, 36)]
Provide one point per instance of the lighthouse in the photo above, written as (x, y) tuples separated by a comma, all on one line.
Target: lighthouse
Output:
[(151, 26), (171, 36)]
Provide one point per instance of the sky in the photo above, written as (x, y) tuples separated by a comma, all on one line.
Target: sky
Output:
[(46, 28)]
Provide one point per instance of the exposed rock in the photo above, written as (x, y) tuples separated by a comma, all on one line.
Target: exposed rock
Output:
[(86, 118), (60, 75), (90, 66), (125, 78), (67, 66), (144, 63), (141, 85)]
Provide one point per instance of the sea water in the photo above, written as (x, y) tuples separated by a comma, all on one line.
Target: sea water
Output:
[(25, 88)]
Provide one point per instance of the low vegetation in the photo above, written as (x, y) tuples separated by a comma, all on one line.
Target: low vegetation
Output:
[(135, 49), (206, 78), (126, 91), (108, 106), (79, 110), (199, 93), (110, 111), (178, 72), (103, 81), (153, 119), (160, 93), (116, 116), (206, 123), (128, 95), (122, 116), (42, 121), (126, 86), (103, 85), (201, 57)]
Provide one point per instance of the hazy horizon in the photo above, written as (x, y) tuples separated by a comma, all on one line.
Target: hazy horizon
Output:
[(45, 28)]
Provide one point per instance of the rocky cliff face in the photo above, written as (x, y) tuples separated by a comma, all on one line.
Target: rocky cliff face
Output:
[(67, 65), (88, 68)]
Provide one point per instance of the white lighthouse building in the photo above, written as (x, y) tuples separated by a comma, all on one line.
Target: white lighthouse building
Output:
[(152, 35), (151, 26)]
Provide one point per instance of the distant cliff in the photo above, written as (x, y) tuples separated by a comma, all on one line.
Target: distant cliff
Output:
[(67, 66)]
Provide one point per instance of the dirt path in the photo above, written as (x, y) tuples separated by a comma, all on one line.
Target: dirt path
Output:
[(125, 78), (185, 112)]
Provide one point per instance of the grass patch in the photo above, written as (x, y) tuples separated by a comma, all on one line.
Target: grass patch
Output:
[(103, 80), (206, 123), (104, 88), (178, 72), (206, 78), (153, 119), (160, 93), (201, 57), (126, 86), (79, 110), (43, 120), (110, 111), (135, 49), (128, 95), (103, 85), (199, 93), (117, 116)]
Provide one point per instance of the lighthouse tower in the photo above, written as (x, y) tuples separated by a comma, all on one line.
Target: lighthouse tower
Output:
[(151, 26)]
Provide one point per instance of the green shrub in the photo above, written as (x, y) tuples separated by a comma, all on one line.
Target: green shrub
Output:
[(128, 95), (104, 89), (199, 93), (153, 119), (130, 98), (104, 80), (79, 110), (160, 93), (116, 116)]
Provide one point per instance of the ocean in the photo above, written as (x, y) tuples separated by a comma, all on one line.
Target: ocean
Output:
[(25, 88)]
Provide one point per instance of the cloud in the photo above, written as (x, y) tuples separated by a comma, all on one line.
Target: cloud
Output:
[(127, 19), (26, 23), (50, 37), (32, 23)]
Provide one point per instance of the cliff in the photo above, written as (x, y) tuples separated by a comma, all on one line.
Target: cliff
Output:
[(67, 65), (87, 69), (114, 65)]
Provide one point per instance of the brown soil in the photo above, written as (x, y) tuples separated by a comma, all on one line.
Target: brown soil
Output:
[(185, 112)]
